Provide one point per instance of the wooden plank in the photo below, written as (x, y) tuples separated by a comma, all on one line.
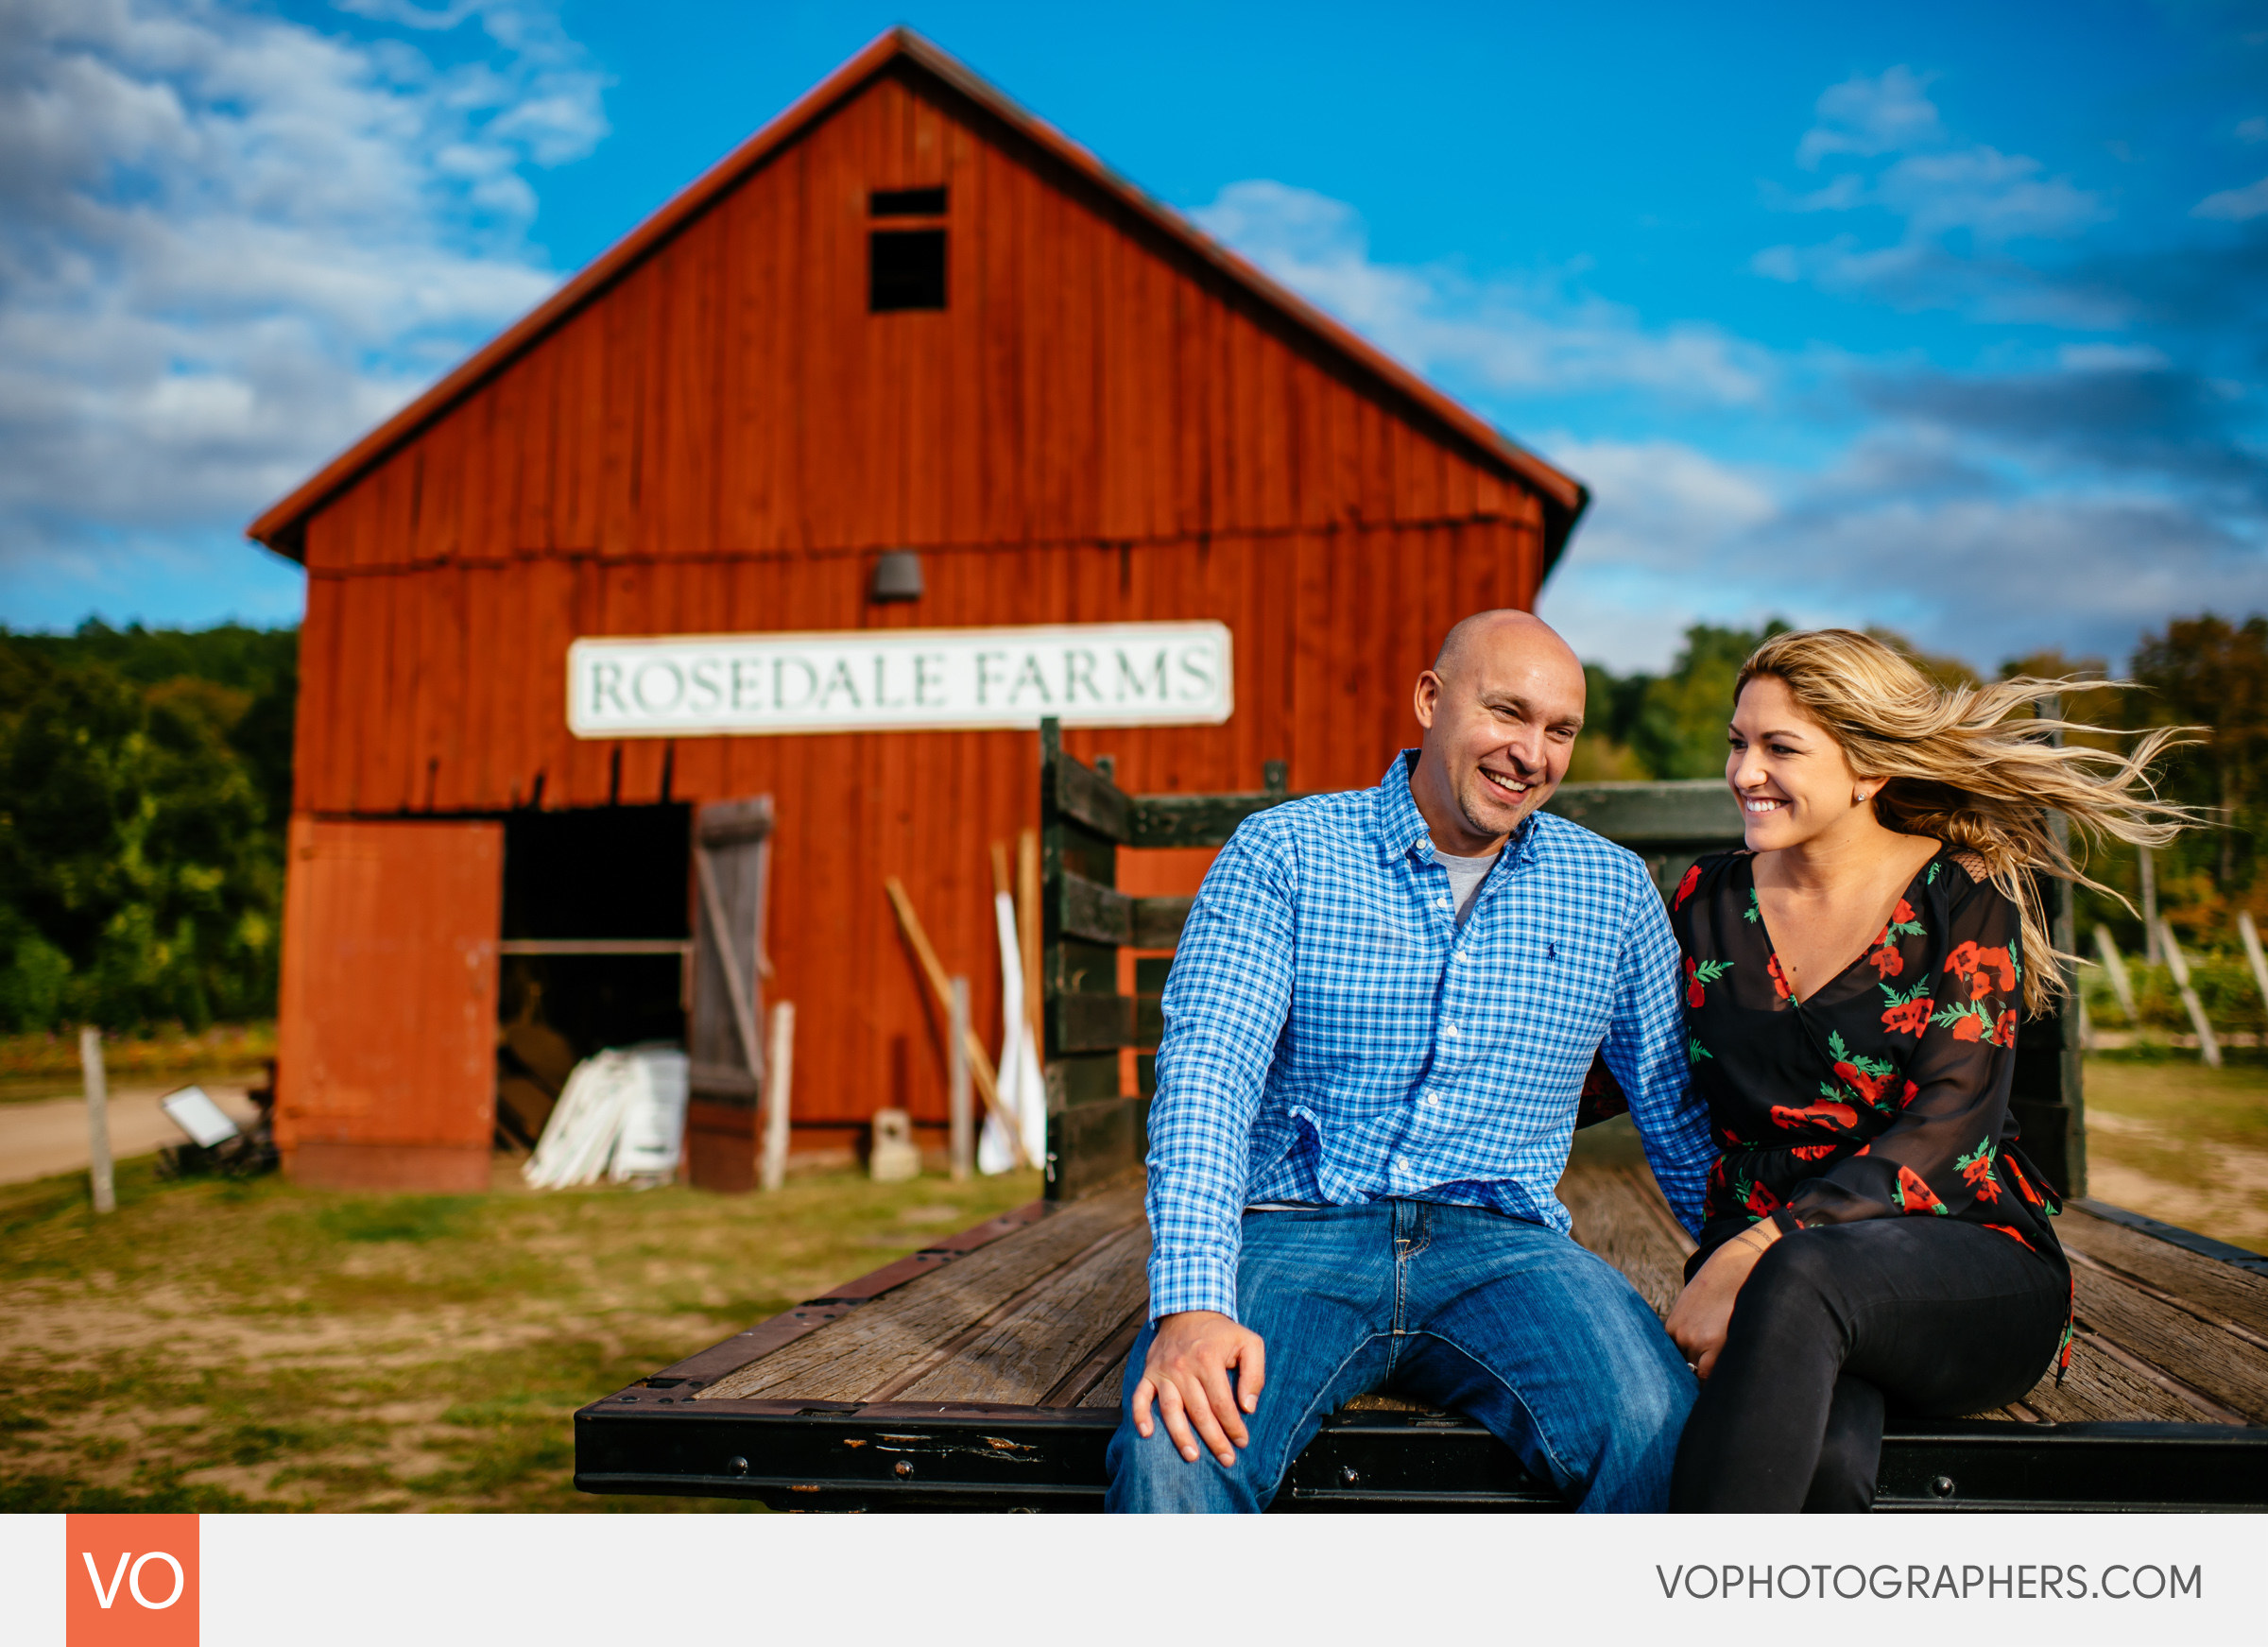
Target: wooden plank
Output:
[(850, 1359), (2209, 1364), (1622, 1217), (2100, 1387), (1021, 1352), (2203, 1284)]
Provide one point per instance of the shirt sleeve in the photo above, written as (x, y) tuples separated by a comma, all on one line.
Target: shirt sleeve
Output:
[(1645, 1051), (1225, 1005), (1936, 1157)]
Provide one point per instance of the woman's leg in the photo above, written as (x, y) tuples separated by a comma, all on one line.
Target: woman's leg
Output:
[(1938, 1317), (1850, 1453)]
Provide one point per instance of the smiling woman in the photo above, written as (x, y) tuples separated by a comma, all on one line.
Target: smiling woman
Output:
[(1855, 982)]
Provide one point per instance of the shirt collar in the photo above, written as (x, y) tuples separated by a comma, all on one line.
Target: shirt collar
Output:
[(1401, 828)]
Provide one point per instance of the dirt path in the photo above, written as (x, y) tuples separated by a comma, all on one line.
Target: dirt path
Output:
[(49, 1136)]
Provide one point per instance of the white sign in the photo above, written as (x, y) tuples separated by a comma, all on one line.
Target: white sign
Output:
[(858, 680)]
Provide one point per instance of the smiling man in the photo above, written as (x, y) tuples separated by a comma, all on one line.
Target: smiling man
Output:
[(1376, 1033)]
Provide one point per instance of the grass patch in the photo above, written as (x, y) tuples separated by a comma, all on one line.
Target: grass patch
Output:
[(224, 1346), (2169, 1137)]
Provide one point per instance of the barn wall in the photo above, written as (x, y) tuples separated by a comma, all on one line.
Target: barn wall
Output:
[(1100, 427)]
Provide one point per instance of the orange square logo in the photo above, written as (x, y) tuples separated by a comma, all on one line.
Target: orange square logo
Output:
[(131, 1581)]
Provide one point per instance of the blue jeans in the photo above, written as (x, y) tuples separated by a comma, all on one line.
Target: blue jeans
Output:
[(1506, 1321)]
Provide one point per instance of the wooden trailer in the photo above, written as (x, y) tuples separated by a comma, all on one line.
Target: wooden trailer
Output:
[(984, 1372), (908, 364)]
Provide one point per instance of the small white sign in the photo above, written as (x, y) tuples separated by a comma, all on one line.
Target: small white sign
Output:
[(856, 680)]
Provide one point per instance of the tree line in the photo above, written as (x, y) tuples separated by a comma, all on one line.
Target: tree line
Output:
[(2206, 671), (144, 787)]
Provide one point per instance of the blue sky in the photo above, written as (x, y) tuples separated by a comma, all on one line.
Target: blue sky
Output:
[(1953, 317)]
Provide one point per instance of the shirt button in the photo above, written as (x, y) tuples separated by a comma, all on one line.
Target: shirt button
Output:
[(1432, 1102), (1441, 903), (1449, 1030)]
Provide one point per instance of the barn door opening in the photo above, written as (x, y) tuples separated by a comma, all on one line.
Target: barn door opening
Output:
[(732, 884), (595, 941)]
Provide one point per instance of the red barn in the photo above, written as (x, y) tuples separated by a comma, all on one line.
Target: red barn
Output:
[(907, 360)]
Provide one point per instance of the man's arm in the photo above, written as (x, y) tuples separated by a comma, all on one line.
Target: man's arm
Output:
[(1645, 1049), (1223, 1009)]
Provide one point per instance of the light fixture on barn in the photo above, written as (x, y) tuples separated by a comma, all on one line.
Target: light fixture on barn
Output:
[(897, 576)]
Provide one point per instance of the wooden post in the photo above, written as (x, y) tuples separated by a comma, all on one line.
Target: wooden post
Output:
[(780, 1073), (1028, 930), (98, 1118), (2208, 1047), (956, 1082), (2150, 943), (2114, 966), (980, 1061), (2251, 934)]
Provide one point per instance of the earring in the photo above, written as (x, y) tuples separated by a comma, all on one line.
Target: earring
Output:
[(1860, 795)]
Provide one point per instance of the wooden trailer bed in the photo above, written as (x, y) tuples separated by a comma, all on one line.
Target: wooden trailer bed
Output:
[(984, 1372)]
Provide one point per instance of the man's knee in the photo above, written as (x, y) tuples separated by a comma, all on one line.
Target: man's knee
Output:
[(1148, 1476)]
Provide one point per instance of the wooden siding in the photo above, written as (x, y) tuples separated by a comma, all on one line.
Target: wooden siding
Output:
[(386, 1038), (1102, 426)]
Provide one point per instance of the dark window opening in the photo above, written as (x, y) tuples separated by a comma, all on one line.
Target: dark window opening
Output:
[(906, 269), (576, 878), (907, 202)]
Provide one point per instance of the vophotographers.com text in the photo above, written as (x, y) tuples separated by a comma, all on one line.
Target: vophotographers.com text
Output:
[(1884, 1580)]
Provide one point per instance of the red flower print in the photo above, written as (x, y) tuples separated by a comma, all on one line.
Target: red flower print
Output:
[(1907, 1018), (1762, 1201), (1685, 889), (1902, 915), (1779, 979), (2012, 1235), (2004, 1033), (1976, 1172), (2023, 1185), (1841, 1115), (1914, 1195), (1886, 961), (1811, 1152), (1868, 1086), (1698, 975), (1907, 1096), (1967, 1027), (2002, 964)]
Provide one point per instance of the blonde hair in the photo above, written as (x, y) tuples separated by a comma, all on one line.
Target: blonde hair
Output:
[(1958, 770)]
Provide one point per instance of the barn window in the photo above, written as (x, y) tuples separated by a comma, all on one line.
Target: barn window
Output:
[(906, 203), (906, 269)]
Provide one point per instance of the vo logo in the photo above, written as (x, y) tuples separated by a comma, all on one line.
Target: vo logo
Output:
[(131, 1581)]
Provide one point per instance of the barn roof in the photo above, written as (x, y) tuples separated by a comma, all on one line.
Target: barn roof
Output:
[(282, 525)]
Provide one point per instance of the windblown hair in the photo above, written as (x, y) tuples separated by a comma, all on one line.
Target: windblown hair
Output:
[(1960, 771)]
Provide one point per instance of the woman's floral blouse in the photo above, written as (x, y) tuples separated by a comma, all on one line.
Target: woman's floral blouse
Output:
[(1885, 1094)]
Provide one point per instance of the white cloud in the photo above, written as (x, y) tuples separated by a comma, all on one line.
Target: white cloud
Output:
[(1499, 334), (1867, 116), (2235, 205), (2111, 357), (229, 243), (2254, 130), (1955, 209)]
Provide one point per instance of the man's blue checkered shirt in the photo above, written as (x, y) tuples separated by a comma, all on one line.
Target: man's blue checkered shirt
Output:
[(1333, 1036)]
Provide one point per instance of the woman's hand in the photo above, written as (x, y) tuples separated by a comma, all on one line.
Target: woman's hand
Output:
[(1698, 1320)]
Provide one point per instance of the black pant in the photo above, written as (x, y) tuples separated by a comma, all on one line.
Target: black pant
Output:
[(1940, 1317)]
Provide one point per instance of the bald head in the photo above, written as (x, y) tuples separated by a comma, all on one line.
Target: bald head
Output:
[(1500, 708), (1504, 627)]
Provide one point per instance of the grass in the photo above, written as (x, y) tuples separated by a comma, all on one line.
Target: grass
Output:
[(2169, 1137), (236, 1347), (46, 1066)]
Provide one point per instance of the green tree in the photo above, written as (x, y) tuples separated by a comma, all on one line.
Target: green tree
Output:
[(140, 865), (2209, 673), (1676, 727)]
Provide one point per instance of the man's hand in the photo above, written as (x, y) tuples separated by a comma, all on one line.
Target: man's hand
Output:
[(1703, 1314), (1187, 1373)]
